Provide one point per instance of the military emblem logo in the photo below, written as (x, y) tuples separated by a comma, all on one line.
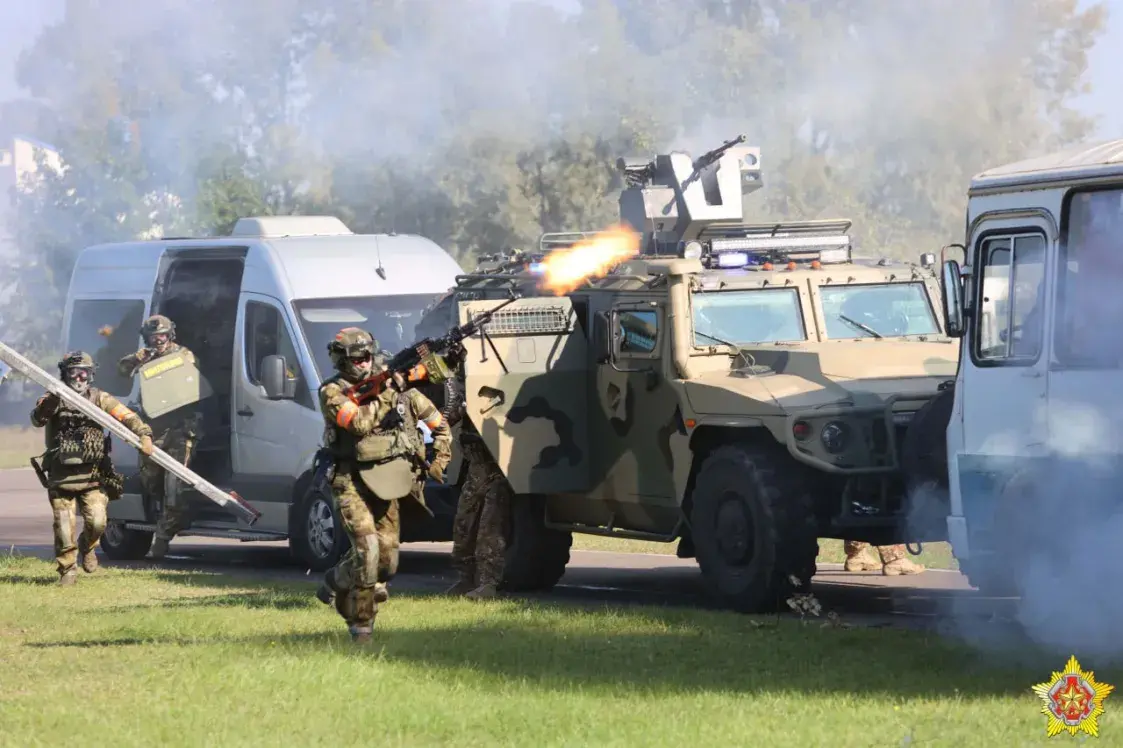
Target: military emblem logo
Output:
[(1073, 700)]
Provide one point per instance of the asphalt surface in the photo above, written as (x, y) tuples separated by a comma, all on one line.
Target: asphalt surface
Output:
[(940, 600)]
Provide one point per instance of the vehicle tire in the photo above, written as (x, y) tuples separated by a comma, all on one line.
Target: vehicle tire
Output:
[(754, 527), (122, 544), (317, 538), (536, 555)]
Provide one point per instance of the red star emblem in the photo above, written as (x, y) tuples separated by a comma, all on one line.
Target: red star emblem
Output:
[(1071, 699)]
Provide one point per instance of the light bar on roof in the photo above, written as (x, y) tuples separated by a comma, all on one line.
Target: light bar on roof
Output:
[(762, 243)]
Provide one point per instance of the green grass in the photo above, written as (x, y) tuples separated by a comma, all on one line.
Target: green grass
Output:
[(153, 657), (933, 555), (17, 444)]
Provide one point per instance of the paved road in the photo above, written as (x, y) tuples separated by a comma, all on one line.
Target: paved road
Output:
[(933, 599)]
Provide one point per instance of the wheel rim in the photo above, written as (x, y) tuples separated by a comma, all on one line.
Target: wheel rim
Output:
[(734, 531), (114, 533), (321, 528)]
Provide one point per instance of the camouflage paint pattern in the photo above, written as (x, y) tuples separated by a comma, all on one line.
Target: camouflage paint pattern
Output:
[(639, 418)]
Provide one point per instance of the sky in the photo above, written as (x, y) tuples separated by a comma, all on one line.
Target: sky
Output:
[(20, 22)]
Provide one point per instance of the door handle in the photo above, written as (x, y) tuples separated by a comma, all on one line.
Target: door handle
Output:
[(246, 411)]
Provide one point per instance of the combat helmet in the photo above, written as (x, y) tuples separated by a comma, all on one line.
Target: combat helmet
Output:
[(77, 361), (157, 324), (352, 343)]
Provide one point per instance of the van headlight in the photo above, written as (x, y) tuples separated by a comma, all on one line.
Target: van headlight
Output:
[(834, 437)]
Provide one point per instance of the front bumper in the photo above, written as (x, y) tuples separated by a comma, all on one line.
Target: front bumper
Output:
[(876, 433)]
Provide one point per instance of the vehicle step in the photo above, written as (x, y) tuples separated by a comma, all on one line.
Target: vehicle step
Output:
[(245, 537)]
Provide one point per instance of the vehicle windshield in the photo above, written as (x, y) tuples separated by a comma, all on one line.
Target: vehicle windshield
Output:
[(390, 319), (875, 310), (770, 315)]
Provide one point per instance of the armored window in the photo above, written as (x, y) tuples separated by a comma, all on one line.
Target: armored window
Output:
[(1009, 316), (770, 315), (267, 335), (639, 332), (108, 330), (1089, 308)]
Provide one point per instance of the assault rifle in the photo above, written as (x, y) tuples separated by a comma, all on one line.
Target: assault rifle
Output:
[(429, 357), (231, 502)]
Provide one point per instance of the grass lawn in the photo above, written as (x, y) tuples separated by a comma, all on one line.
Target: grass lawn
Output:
[(151, 657), (17, 444), (933, 555)]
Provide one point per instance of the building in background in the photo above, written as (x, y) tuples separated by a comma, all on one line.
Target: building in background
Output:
[(17, 161)]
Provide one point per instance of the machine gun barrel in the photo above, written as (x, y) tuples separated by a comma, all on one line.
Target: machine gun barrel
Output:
[(408, 359), (710, 157), (233, 503)]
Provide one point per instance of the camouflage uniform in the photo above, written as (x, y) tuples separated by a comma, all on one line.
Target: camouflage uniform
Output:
[(478, 531), (76, 463), (375, 447), (176, 433), (894, 560)]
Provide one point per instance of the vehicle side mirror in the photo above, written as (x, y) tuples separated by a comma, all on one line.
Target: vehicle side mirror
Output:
[(277, 385), (952, 281), (602, 337)]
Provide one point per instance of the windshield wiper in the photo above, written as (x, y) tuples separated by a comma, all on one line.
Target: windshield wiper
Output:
[(860, 326), (739, 352)]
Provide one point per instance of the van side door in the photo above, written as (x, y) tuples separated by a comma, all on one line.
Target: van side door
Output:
[(275, 434)]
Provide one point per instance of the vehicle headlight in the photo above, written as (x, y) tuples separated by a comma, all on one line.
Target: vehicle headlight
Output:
[(834, 437), (692, 250)]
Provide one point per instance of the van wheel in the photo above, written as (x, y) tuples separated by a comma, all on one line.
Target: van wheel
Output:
[(122, 544), (754, 528), (317, 538), (536, 555)]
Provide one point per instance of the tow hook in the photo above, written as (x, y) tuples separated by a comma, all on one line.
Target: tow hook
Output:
[(918, 551)]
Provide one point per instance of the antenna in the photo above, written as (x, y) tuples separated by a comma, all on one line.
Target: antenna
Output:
[(378, 252)]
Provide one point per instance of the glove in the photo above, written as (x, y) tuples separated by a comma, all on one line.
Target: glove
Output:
[(146, 445), (437, 472)]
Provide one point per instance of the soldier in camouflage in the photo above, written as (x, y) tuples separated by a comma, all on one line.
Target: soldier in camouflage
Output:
[(376, 450), (77, 465), (176, 433), (478, 531), (894, 561)]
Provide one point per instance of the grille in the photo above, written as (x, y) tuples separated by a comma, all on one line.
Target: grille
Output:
[(539, 320)]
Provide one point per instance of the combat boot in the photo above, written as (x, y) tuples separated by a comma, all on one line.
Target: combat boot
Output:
[(863, 560), (159, 549), (360, 634), (485, 591), (89, 558), (68, 578), (900, 566)]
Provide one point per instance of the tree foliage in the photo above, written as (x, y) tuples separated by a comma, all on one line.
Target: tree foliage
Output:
[(482, 124)]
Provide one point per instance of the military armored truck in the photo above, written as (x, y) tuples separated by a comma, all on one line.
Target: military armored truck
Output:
[(744, 389)]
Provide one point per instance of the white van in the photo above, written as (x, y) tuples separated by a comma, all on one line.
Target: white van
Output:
[(1034, 423), (281, 285)]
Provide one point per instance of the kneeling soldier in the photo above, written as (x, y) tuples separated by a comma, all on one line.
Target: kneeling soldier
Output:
[(77, 463)]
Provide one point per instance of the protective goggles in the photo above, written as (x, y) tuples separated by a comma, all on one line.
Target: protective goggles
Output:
[(79, 375)]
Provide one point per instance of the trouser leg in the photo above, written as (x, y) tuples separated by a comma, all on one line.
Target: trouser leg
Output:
[(65, 528), (93, 505)]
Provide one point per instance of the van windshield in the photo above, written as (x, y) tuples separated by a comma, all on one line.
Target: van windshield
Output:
[(390, 319)]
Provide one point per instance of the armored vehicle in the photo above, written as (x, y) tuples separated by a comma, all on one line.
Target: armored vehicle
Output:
[(744, 389)]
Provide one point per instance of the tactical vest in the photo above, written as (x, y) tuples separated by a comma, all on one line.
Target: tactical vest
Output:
[(397, 434), (76, 439)]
